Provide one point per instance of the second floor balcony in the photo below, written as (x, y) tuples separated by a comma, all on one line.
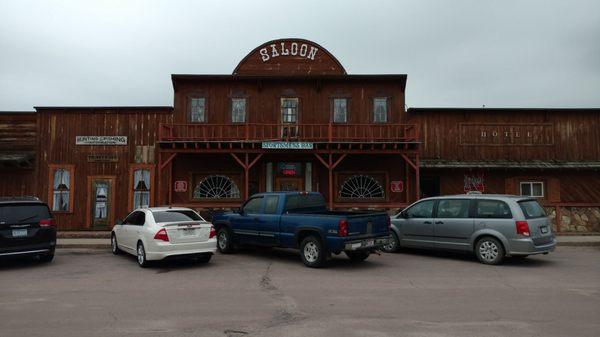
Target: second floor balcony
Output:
[(326, 133)]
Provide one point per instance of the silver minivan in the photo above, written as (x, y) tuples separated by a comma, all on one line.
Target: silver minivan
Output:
[(491, 226)]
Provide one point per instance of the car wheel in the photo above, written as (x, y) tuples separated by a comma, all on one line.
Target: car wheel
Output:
[(394, 244), (358, 256), (224, 241), (46, 257), (489, 250), (204, 258), (113, 245), (141, 255), (311, 252)]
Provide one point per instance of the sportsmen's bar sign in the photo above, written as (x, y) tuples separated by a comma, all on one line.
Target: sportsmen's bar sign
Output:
[(101, 140), (287, 145), (288, 49)]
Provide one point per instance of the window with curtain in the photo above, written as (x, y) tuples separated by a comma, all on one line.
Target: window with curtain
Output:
[(61, 190), (141, 188), (238, 110), (289, 110), (198, 110), (380, 110), (101, 207), (340, 110)]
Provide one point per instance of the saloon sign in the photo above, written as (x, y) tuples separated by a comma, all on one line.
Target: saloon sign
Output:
[(288, 49)]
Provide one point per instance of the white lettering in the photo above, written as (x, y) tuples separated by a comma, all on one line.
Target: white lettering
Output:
[(294, 49), (284, 50), (303, 50), (274, 52), (312, 53), (264, 55), (483, 134), (494, 133)]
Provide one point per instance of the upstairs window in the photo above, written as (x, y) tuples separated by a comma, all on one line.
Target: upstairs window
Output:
[(61, 197), (238, 110), (532, 189), (380, 110), (289, 110), (340, 110), (198, 110)]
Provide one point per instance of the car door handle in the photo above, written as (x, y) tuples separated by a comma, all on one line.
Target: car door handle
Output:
[(427, 223), (439, 222)]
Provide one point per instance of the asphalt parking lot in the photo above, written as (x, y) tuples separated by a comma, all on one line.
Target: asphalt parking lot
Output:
[(270, 293)]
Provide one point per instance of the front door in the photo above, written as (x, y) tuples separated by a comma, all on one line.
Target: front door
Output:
[(100, 202), (289, 184)]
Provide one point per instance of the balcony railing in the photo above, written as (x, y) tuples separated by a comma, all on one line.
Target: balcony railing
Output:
[(296, 132)]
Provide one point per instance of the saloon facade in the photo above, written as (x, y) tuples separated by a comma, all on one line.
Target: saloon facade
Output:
[(289, 117)]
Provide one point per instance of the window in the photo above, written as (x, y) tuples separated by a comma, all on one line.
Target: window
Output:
[(216, 187), (22, 213), (289, 110), (380, 110), (198, 110), (492, 209), (141, 188), (238, 110), (135, 219), (532, 209), (340, 110), (271, 204), (61, 192), (253, 206), (295, 203), (175, 216), (423, 209), (532, 189), (361, 187), (453, 209)]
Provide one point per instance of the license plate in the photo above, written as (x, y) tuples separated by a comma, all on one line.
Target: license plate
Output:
[(544, 229), (368, 243), (188, 232), (19, 233)]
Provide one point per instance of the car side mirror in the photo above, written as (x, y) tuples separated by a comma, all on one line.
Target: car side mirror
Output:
[(119, 222)]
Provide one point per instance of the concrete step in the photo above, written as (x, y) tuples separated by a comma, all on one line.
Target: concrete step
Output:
[(83, 234)]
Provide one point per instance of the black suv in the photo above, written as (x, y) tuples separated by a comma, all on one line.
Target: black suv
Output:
[(26, 228)]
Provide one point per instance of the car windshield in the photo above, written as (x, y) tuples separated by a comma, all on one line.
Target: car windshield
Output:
[(532, 209), (176, 216), (23, 213)]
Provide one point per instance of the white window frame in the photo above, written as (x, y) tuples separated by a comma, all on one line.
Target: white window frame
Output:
[(531, 183), (238, 116)]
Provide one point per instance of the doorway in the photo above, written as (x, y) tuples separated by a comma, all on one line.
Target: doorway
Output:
[(289, 184), (100, 197), (430, 186)]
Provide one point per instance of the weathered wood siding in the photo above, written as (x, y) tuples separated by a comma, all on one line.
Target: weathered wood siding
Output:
[(58, 129), (18, 135)]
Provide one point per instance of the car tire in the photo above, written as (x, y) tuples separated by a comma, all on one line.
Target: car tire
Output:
[(204, 258), (394, 244), (489, 250), (114, 247), (312, 252), (46, 258), (358, 256), (141, 255), (224, 241)]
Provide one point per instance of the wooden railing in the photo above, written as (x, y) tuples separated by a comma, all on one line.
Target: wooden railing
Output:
[(300, 132)]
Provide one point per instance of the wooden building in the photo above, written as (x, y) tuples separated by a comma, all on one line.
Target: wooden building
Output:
[(289, 117)]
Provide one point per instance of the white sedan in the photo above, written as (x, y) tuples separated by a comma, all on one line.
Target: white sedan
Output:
[(162, 232)]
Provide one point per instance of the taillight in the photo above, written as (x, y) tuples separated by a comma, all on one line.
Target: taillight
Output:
[(213, 232), (343, 228), (522, 228), (161, 235), (46, 223)]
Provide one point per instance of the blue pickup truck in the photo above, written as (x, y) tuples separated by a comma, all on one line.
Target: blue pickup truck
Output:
[(301, 220)]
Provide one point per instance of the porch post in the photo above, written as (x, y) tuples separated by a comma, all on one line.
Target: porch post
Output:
[(417, 178), (158, 177), (330, 169), (246, 176)]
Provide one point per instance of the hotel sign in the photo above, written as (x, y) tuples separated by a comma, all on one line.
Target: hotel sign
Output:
[(503, 134), (287, 145), (101, 140)]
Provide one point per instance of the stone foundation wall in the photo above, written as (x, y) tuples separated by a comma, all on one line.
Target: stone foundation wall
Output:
[(576, 219)]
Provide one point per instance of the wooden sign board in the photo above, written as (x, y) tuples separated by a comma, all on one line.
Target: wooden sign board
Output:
[(102, 158), (101, 140), (396, 186), (181, 186)]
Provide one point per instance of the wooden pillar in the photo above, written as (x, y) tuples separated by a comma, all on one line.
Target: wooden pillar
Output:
[(330, 170), (158, 179), (171, 183), (407, 179), (417, 178), (246, 176)]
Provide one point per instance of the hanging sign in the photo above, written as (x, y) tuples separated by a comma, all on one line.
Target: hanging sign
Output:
[(181, 186), (101, 140), (102, 158), (287, 145), (474, 183), (397, 186)]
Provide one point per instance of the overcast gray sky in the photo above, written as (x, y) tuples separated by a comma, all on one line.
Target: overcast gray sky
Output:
[(463, 53)]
